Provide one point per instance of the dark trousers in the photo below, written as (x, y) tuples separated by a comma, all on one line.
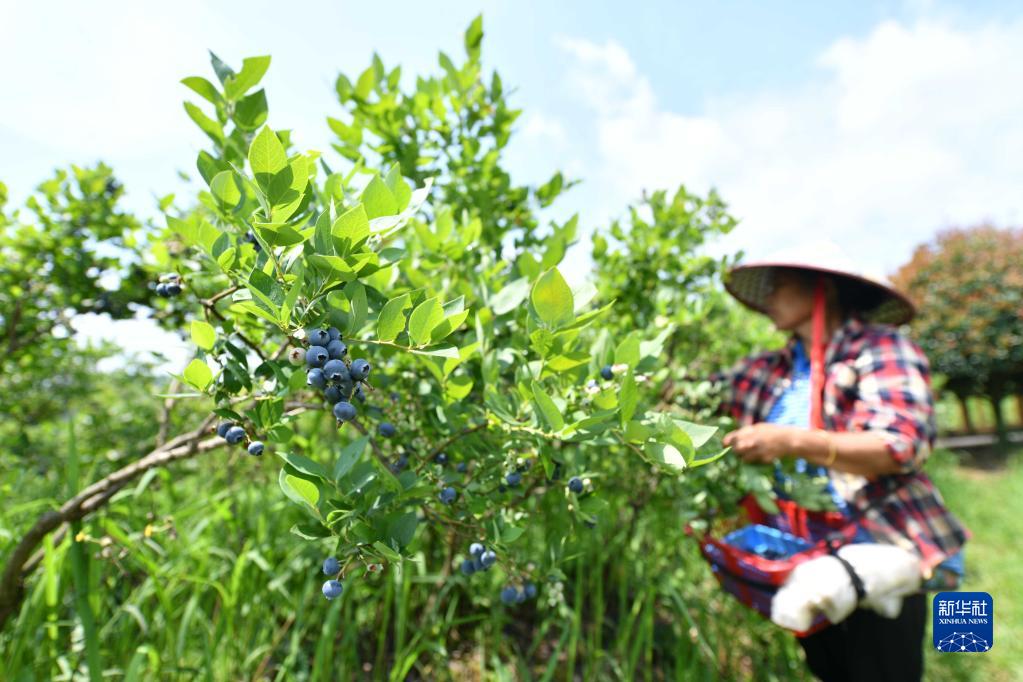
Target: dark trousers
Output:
[(868, 646)]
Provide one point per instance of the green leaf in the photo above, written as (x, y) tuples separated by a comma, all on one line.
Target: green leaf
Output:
[(203, 334), (266, 156), (203, 88), (474, 35), (198, 374), (253, 69), (351, 227), (225, 190), (310, 531), (698, 433), (386, 551), (399, 188), (350, 454), (627, 352), (510, 296), (628, 397), (391, 320), (299, 489), (423, 319), (403, 528), (305, 465), (552, 298), (446, 352), (205, 123), (250, 111), (707, 460), (378, 199), (448, 325), (222, 70), (665, 454), (550, 412), (356, 294)]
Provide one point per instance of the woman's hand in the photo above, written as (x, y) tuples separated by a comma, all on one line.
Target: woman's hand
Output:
[(763, 442)]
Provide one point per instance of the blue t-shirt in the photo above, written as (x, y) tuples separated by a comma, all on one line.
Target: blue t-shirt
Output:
[(793, 409)]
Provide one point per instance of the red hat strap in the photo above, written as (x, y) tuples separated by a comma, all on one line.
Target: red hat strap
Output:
[(817, 356)]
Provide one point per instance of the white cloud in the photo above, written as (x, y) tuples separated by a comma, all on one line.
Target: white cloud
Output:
[(898, 134)]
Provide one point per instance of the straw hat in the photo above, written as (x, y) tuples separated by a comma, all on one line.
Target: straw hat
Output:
[(751, 282)]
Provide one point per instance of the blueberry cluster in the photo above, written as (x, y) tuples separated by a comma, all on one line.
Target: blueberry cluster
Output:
[(235, 434), (480, 559), (169, 285), (341, 381), (514, 595), (514, 477), (333, 588), (398, 465)]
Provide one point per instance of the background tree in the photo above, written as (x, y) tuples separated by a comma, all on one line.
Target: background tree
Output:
[(968, 284)]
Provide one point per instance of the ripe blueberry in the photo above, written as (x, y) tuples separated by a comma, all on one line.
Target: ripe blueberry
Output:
[(448, 495), (530, 590), (509, 595), (513, 478), (606, 373), (575, 484), (334, 333), (255, 448), (161, 290), (332, 394), (317, 337), (467, 567), (359, 369), (223, 427), (462, 467), (359, 394), (477, 565), (387, 429), (250, 237), (331, 566), (476, 549), (316, 356), (316, 378), (442, 458), (235, 435), (335, 370), (332, 589), (345, 411), (488, 558), (337, 349), (173, 289)]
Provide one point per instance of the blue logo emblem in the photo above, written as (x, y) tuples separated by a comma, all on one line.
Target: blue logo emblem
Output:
[(964, 622)]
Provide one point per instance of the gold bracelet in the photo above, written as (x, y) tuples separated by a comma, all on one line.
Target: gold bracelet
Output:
[(832, 448)]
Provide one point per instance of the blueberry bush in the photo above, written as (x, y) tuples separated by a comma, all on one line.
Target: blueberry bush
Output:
[(369, 328)]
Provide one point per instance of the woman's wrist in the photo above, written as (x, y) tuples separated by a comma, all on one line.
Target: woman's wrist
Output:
[(815, 446)]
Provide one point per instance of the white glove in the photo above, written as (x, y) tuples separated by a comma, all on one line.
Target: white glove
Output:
[(822, 585)]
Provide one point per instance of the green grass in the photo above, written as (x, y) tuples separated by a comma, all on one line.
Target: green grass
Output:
[(990, 503), (196, 576)]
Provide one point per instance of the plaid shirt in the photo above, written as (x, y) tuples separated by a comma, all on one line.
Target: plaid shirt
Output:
[(876, 380)]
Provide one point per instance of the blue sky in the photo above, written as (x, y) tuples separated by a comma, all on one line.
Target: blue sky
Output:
[(871, 124)]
